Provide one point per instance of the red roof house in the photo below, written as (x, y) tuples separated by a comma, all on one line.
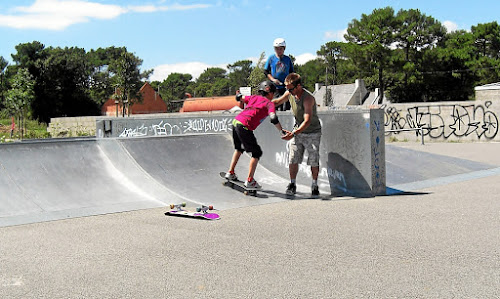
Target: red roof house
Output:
[(151, 103)]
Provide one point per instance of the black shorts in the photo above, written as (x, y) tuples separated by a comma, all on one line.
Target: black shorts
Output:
[(244, 140)]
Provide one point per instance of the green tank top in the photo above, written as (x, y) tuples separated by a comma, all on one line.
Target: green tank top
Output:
[(298, 112)]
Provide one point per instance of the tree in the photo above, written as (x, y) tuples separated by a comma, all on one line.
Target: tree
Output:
[(312, 72), (211, 74), (372, 38), (257, 74), (487, 43), (28, 56), (202, 89), (221, 87), (487, 39), (63, 85), (20, 96), (128, 80), (239, 72), (416, 34), (101, 85), (338, 68), (3, 85), (448, 76), (174, 87)]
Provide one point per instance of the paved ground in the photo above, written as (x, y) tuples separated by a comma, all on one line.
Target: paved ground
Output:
[(441, 242)]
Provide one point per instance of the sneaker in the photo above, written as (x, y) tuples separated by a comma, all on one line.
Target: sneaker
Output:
[(252, 184), (231, 176), (291, 189), (315, 190)]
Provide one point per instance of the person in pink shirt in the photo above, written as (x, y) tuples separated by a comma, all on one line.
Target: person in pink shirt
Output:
[(257, 108)]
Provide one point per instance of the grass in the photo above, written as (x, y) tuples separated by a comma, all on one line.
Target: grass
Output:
[(395, 139), (34, 130)]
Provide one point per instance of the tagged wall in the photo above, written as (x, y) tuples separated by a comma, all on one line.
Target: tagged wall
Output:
[(170, 124), (352, 151), (444, 121)]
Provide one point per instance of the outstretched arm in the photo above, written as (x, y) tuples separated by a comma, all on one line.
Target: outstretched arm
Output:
[(282, 99)]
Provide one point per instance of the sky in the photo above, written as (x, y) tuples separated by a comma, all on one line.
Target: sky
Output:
[(191, 36)]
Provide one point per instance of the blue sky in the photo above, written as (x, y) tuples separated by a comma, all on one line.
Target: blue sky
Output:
[(189, 36)]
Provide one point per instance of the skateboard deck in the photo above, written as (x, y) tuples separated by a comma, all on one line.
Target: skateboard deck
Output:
[(239, 185), (201, 212)]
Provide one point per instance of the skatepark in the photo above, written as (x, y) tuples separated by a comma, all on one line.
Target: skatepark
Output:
[(85, 218)]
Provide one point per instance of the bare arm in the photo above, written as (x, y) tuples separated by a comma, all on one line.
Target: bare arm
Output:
[(282, 99)]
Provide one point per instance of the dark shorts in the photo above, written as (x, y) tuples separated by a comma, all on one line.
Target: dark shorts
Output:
[(244, 140)]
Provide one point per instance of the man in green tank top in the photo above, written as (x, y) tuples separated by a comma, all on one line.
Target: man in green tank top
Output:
[(306, 134)]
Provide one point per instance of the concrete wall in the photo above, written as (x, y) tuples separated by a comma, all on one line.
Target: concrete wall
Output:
[(488, 95), (352, 148), (72, 126), (444, 121)]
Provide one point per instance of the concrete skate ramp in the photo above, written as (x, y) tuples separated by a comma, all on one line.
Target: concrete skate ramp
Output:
[(42, 181), (190, 165), (412, 170)]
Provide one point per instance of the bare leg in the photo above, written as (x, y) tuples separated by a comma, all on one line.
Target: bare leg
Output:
[(315, 172), (234, 161), (293, 169), (252, 167)]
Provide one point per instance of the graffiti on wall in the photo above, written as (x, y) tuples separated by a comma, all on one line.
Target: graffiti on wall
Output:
[(178, 127), (445, 121), (282, 159), (377, 176)]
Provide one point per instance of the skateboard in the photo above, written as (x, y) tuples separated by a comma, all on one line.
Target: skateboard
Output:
[(201, 212), (238, 185)]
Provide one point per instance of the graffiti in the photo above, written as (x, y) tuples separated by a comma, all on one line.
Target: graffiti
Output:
[(445, 121), (282, 159), (378, 180), (207, 125), (136, 132), (338, 176), (171, 127)]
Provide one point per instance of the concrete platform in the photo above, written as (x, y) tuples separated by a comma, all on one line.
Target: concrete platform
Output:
[(440, 241)]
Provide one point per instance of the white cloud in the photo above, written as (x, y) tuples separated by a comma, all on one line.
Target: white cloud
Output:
[(173, 7), (303, 58), (60, 14), (336, 35), (194, 68), (450, 26)]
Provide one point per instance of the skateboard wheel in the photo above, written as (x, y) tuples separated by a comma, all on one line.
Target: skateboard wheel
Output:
[(172, 206), (183, 204), (210, 207), (198, 209)]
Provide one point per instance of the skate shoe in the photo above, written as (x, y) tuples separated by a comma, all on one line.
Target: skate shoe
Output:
[(315, 190), (291, 189), (231, 176), (252, 185)]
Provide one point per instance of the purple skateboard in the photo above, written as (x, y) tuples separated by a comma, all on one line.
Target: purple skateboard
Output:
[(201, 212), (238, 185)]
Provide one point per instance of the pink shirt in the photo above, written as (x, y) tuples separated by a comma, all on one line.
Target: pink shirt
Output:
[(256, 110)]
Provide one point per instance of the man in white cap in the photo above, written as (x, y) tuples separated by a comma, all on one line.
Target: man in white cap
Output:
[(277, 67)]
